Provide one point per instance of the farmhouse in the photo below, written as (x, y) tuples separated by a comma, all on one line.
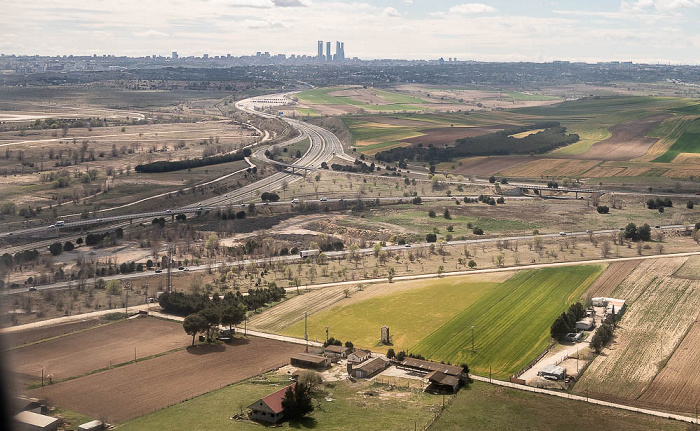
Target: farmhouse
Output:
[(307, 360), (358, 356), (269, 409), (585, 324), (552, 372), (336, 352), (612, 305), (29, 421), (439, 382), (368, 368), (425, 367)]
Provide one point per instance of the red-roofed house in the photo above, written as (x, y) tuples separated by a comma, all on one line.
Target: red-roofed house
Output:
[(269, 409)]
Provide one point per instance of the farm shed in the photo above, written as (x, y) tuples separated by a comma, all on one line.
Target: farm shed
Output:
[(307, 360), (269, 409), (552, 372), (358, 356), (585, 324), (336, 352), (425, 367), (28, 421), (440, 382), (368, 368)]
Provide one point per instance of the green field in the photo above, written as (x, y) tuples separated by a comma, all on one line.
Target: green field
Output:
[(511, 318), (687, 143), (401, 409), (395, 101), (511, 321), (485, 407)]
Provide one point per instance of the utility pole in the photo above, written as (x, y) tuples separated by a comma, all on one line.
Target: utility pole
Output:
[(306, 332), (170, 259), (327, 333)]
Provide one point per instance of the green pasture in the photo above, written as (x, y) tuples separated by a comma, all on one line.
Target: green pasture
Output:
[(687, 134), (335, 407), (396, 101), (481, 406), (511, 322), (687, 143)]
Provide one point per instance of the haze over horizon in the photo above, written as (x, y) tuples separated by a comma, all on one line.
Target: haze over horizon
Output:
[(643, 31)]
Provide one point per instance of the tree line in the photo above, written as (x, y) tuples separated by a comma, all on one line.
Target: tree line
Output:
[(499, 143), (183, 304), (165, 166)]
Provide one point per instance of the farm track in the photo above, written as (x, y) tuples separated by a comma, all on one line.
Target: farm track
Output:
[(133, 390)]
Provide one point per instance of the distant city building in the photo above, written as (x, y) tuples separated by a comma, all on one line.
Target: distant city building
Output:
[(329, 57), (175, 56), (320, 49), (205, 56)]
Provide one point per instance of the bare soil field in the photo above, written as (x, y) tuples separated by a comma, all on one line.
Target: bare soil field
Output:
[(690, 269), (660, 312), (611, 278), (333, 109), (677, 386), (447, 135), (485, 166), (101, 347), (20, 338), (628, 140), (476, 99), (133, 390), (534, 168)]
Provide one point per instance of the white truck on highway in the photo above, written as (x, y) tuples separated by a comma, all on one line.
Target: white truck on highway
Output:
[(309, 253)]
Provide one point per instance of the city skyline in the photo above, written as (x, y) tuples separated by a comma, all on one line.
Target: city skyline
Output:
[(643, 31)]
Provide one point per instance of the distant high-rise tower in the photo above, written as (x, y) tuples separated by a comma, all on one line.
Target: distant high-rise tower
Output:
[(175, 56), (342, 50), (320, 49), (329, 56), (338, 51)]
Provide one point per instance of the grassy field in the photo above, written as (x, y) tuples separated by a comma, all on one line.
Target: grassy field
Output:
[(394, 101), (485, 407), (511, 321), (687, 143), (390, 410), (512, 318)]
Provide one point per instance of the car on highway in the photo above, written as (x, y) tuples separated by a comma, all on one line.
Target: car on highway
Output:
[(182, 268), (407, 245), (657, 227), (52, 226), (158, 271), (295, 201), (32, 289), (187, 269), (242, 205), (10, 234), (324, 199), (562, 233), (168, 211)]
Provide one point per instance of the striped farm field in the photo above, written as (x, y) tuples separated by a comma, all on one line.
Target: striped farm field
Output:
[(434, 318), (511, 322)]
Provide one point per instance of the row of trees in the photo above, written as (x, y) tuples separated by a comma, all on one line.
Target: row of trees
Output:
[(641, 233), (183, 304), (165, 166), (657, 203), (566, 322), (208, 320)]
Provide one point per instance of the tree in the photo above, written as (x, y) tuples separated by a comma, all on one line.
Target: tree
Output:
[(431, 214), (492, 179), (417, 200), (690, 205), (431, 237), (68, 246), (478, 231), (211, 318), (297, 401), (644, 232), (349, 344), (560, 327), (446, 214), (56, 248), (471, 264), (390, 354), (310, 378), (114, 287), (376, 248), (602, 209), (233, 315), (193, 324), (631, 232)]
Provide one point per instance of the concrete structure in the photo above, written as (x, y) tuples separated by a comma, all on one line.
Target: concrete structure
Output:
[(269, 409), (439, 382), (358, 356), (307, 360), (552, 372), (91, 426), (574, 337), (28, 421), (336, 352), (385, 335), (612, 305), (585, 324), (368, 368)]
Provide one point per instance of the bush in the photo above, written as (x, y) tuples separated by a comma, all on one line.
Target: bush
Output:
[(68, 246), (56, 248), (431, 237), (417, 200), (431, 214), (602, 209), (690, 205), (478, 231)]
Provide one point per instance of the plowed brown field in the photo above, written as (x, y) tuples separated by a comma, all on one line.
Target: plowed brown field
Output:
[(628, 140), (448, 135), (18, 338), (677, 386), (133, 390), (611, 278), (101, 347)]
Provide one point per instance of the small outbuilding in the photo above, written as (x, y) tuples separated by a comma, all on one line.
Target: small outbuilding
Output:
[(585, 324), (424, 367), (552, 372), (269, 409), (336, 352), (358, 356), (574, 337), (91, 426), (368, 368), (307, 360), (29, 421), (439, 382)]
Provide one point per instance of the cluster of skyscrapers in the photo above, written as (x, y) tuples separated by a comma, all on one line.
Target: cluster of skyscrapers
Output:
[(339, 51)]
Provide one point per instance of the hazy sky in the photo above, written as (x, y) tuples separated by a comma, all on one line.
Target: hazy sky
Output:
[(498, 30)]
